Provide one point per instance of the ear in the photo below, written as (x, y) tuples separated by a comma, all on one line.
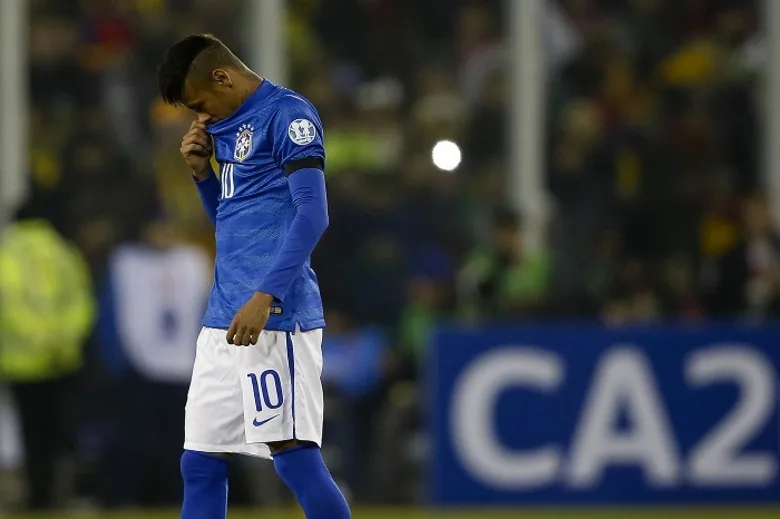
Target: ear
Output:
[(222, 77)]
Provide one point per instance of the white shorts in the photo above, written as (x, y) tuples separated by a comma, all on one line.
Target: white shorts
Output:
[(243, 397)]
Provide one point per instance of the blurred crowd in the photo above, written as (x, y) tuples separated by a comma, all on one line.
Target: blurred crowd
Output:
[(652, 163)]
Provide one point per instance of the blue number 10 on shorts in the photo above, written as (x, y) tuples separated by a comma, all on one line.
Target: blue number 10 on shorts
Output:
[(242, 397)]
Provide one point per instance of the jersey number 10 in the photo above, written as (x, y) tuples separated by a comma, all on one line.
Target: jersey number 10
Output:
[(228, 184), (264, 399)]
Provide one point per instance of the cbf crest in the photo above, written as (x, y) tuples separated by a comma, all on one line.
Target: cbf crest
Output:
[(243, 142)]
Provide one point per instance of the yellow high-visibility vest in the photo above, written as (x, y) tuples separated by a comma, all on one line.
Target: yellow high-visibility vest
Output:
[(47, 307)]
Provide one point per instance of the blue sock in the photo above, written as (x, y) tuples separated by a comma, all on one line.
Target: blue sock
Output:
[(205, 486), (304, 472)]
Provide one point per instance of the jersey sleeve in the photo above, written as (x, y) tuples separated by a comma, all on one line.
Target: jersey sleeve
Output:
[(297, 134)]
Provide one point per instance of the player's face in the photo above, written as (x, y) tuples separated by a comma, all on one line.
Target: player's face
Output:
[(210, 102)]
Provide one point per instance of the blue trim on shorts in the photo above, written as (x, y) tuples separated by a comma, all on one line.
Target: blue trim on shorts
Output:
[(291, 366)]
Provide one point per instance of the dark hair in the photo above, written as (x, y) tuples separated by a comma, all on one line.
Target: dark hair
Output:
[(207, 49)]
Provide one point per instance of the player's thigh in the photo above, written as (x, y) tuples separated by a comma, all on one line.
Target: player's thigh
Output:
[(306, 351), (214, 412), (282, 391)]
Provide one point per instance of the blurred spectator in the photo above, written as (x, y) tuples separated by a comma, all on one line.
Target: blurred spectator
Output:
[(632, 298), (353, 371), (748, 276), (46, 313), (506, 280), (680, 290), (152, 303), (480, 47), (427, 306)]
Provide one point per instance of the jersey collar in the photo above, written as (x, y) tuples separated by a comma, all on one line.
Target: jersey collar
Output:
[(263, 91)]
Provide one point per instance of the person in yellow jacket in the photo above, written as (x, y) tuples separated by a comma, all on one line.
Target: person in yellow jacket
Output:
[(47, 309), (505, 279)]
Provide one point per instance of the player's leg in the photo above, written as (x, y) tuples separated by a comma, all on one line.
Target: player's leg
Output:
[(214, 427), (301, 467), (283, 405), (205, 477)]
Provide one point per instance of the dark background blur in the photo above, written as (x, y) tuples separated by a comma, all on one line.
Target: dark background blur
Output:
[(652, 162)]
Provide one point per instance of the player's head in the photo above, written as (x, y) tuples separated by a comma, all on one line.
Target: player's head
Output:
[(202, 73)]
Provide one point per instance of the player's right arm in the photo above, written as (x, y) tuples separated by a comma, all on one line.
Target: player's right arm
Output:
[(196, 148)]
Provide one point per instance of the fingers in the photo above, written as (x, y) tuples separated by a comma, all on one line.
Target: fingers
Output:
[(242, 338), (197, 137), (245, 337), (197, 126), (232, 332), (196, 141), (241, 335), (194, 149)]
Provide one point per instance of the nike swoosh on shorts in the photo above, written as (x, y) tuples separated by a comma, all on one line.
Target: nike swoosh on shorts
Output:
[(263, 422)]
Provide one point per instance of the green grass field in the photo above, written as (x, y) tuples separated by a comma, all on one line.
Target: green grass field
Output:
[(658, 513)]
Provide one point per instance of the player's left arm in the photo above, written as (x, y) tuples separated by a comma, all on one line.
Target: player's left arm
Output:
[(299, 152), (307, 187)]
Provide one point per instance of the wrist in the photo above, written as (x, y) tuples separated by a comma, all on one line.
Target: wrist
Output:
[(265, 298), (205, 174)]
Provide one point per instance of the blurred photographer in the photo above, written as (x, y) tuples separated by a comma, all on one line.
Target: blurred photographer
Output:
[(46, 315)]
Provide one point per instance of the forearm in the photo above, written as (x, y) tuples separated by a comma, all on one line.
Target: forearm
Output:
[(311, 219), (209, 190)]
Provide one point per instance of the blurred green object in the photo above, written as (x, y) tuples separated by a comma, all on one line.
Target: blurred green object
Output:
[(47, 302), (351, 149), (521, 284)]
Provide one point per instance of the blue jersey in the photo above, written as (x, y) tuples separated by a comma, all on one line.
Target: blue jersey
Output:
[(273, 127)]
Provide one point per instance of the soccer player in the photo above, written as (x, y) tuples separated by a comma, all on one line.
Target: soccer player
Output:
[(256, 387)]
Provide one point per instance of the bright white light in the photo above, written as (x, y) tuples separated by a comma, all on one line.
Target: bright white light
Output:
[(446, 155)]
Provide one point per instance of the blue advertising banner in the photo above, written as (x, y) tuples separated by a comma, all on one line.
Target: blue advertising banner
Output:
[(587, 415)]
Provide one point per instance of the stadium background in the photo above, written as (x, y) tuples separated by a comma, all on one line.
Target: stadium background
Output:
[(613, 171)]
